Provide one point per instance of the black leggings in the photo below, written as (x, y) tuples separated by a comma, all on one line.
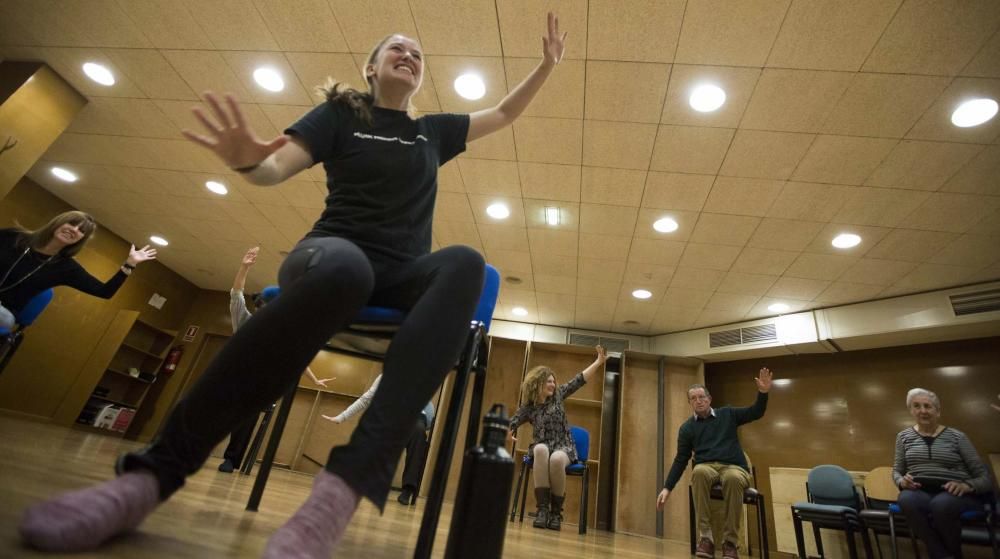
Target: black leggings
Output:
[(325, 281)]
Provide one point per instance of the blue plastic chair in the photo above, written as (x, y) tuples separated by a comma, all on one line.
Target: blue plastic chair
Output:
[(834, 503), (581, 438), (10, 340), (979, 526), (369, 337)]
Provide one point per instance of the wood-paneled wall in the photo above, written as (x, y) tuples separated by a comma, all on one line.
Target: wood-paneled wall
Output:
[(846, 408)]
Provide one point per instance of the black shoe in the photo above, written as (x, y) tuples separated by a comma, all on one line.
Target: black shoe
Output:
[(555, 512), (406, 497), (227, 466), (542, 499)]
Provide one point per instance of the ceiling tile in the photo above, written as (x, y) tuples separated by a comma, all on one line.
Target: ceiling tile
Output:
[(719, 229), (936, 124), (884, 207), (453, 206), (523, 21), (710, 318), (436, 21), (842, 159), (168, 24), (302, 25), (842, 293), (910, 245), (922, 165), (314, 68), (208, 71), (547, 241), (510, 262), (593, 313), (969, 250), (930, 276), (784, 234), (366, 22), (500, 144), (696, 278), (563, 92), (552, 182), (601, 270), (797, 288), (597, 288), (603, 185), (978, 176), (944, 211), (503, 237), (819, 266), (764, 261), (245, 63), (713, 257), (765, 155), (233, 24), (876, 271), (934, 37), (684, 298), (483, 176), (883, 105), (730, 33), (738, 196), (986, 64), (151, 73), (808, 201), (613, 24), (746, 284), (830, 35), (690, 149), (552, 265), (659, 252), (605, 247), (562, 285), (794, 100), (622, 145), (737, 303), (607, 220), (534, 140), (676, 191), (614, 93), (653, 274), (737, 83)]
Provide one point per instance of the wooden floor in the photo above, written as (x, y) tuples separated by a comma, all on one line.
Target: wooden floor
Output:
[(207, 517)]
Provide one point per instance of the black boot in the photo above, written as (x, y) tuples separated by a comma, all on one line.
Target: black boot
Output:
[(555, 512), (542, 497)]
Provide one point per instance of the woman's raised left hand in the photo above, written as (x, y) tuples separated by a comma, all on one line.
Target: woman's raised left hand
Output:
[(141, 255), (554, 44)]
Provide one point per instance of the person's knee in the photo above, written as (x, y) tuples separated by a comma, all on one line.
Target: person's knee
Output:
[(466, 266), (945, 507), (734, 478), (540, 451), (704, 472), (910, 500)]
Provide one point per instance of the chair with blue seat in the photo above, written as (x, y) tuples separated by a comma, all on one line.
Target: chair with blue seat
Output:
[(11, 339), (369, 337), (834, 503), (581, 438), (979, 526), (882, 515)]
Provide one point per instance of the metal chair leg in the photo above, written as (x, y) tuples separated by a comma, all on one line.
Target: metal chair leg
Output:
[(272, 448), (258, 438), (585, 497), (765, 551), (435, 497), (517, 492), (524, 492), (800, 539)]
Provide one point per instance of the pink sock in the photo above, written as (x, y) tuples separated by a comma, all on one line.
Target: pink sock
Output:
[(318, 525), (82, 520)]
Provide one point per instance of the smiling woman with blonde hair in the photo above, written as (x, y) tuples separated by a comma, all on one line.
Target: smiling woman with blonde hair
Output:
[(33, 261)]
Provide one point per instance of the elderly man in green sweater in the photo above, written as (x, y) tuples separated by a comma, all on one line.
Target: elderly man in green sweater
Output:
[(711, 435)]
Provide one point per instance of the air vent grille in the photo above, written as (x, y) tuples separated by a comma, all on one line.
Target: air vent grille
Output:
[(613, 345), (975, 303), (740, 336)]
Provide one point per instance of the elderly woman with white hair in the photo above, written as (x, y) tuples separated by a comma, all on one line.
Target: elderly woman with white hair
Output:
[(940, 475)]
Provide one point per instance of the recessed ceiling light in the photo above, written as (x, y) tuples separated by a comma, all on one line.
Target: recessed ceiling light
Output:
[(470, 86), (707, 98), (269, 79), (665, 225), (778, 307), (846, 240), (519, 311), (974, 112), (641, 294), (781, 381), (63, 174), (157, 240), (552, 216), (498, 211), (216, 187), (99, 74)]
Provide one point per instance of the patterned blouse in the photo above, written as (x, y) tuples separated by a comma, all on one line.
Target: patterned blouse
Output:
[(549, 419)]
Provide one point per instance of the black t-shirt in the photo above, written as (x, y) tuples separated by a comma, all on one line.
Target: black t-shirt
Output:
[(55, 271), (382, 180)]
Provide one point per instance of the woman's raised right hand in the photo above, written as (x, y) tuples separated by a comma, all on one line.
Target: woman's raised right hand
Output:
[(229, 136)]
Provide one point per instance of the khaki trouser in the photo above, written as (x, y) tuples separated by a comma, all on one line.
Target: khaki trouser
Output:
[(734, 481)]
